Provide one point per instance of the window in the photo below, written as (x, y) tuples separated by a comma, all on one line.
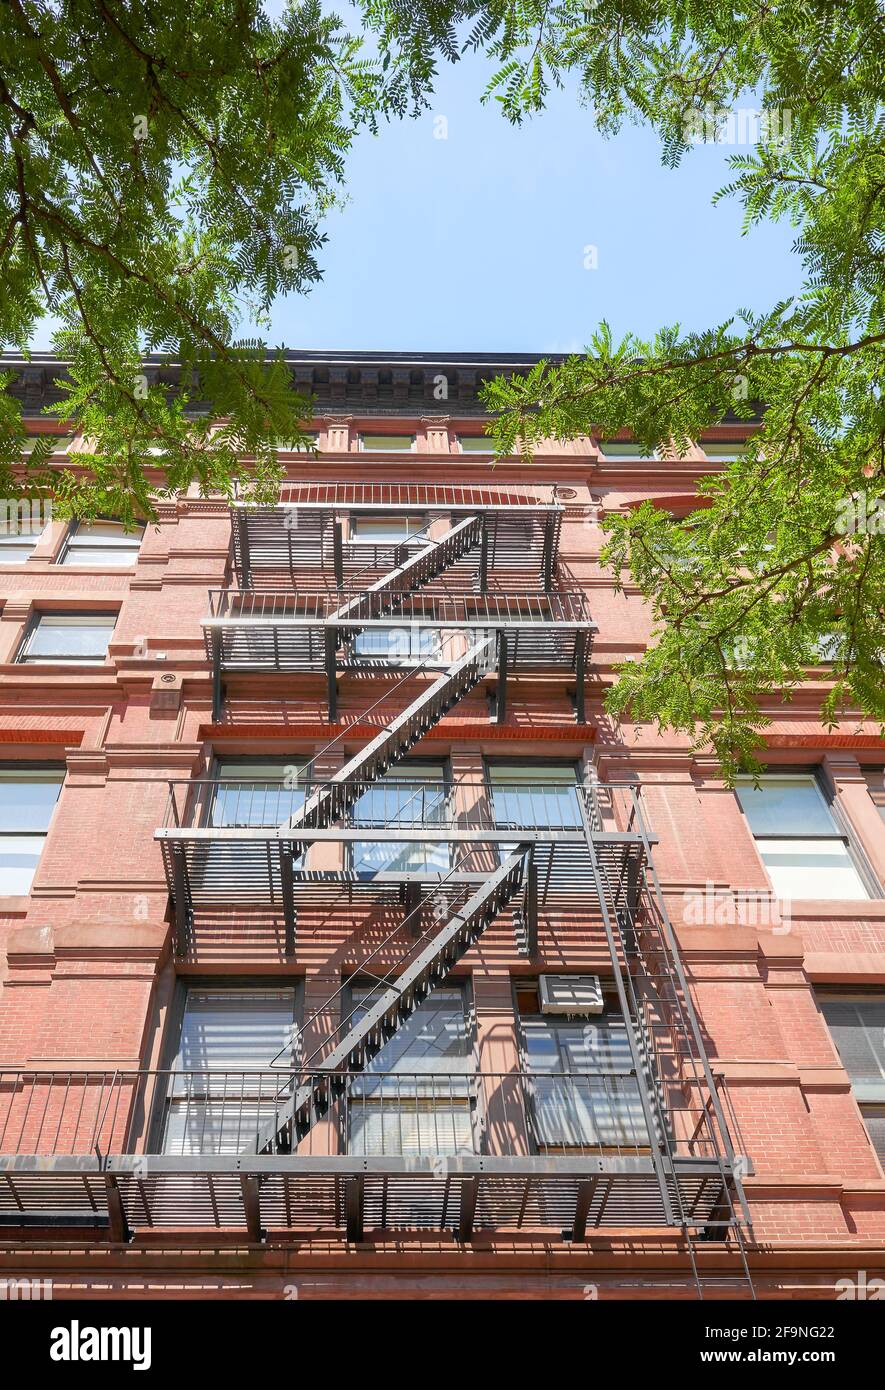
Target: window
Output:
[(535, 796), (804, 851), (726, 453), (581, 1087), (476, 444), (21, 526), (387, 530), (222, 1091), (398, 646), (102, 542), (75, 639), (417, 1095), (313, 437), (252, 792), (409, 796), (27, 800), (857, 1027), (388, 443), (624, 449)]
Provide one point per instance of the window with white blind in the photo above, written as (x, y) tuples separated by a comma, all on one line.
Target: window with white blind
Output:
[(418, 1095), (857, 1027), (408, 796), (222, 1089), (259, 792), (27, 801), (68, 639), (581, 1087), (534, 796), (806, 853), (102, 542)]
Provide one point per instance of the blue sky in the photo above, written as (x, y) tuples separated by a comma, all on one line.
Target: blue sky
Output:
[(477, 241)]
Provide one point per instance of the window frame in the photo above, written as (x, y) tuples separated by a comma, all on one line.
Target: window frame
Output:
[(463, 984), (23, 657), (157, 1103), (873, 1104), (412, 537), (410, 448), (520, 984), (20, 771), (447, 781), (843, 830), (71, 545)]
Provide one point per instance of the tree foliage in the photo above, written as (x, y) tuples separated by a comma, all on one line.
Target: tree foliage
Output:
[(784, 561), (163, 172)]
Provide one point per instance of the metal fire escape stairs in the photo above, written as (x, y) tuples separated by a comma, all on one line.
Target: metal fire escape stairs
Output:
[(453, 932)]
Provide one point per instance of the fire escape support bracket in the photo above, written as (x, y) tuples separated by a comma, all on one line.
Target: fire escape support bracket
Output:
[(550, 525), (331, 651), (354, 1207), (501, 693), (287, 855), (586, 1193), (338, 551), (180, 897), (118, 1226), (252, 1207), (217, 686), (467, 1212), (581, 677)]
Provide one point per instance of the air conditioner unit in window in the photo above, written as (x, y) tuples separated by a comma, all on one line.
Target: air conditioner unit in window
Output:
[(570, 994)]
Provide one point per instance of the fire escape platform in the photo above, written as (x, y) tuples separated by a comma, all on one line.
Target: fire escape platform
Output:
[(303, 539), (248, 866), (132, 1195)]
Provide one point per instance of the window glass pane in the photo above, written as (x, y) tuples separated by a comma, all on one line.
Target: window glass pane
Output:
[(234, 1029), (874, 1119), (397, 644), (433, 1039), (380, 529), (101, 555), (19, 857), (723, 451), (857, 1028), (786, 806), (535, 796), (623, 448), (387, 442), (407, 796), (76, 638), (27, 799), (597, 1045), (257, 793), (17, 552), (811, 869), (476, 443), (109, 533)]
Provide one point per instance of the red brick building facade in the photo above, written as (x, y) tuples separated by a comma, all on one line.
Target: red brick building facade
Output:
[(349, 948)]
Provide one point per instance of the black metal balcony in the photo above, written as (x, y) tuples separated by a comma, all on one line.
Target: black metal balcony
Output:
[(404, 844), (260, 632), (308, 540), (127, 1155)]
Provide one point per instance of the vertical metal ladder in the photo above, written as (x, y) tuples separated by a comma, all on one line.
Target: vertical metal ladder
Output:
[(661, 1021)]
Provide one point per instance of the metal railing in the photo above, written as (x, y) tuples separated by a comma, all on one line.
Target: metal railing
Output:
[(562, 608), (463, 804), (426, 1112)]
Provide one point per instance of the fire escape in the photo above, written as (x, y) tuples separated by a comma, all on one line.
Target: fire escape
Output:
[(479, 574)]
